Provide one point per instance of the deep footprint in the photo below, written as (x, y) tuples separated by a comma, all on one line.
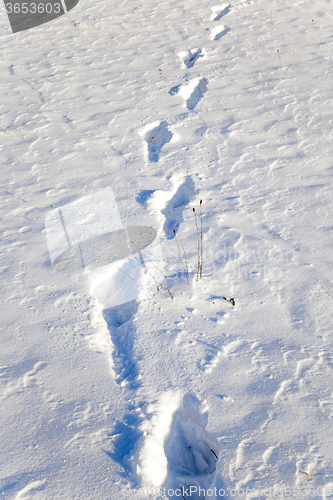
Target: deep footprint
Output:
[(122, 333), (192, 452), (174, 208), (125, 436), (193, 92), (156, 135), (219, 32), (190, 57), (144, 196), (219, 11)]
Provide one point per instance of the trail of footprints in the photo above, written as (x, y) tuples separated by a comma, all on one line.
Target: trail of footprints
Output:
[(184, 452), (122, 331), (157, 134), (170, 449), (292, 384)]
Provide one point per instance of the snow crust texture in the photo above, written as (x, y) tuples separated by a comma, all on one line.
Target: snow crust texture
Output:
[(139, 142)]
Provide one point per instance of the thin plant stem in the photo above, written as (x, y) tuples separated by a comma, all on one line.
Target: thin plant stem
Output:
[(163, 287), (201, 241), (285, 72), (317, 32), (170, 263), (125, 273), (181, 260), (279, 58), (184, 255), (196, 224), (145, 256)]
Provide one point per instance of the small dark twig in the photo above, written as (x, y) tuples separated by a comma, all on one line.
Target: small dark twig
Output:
[(317, 32), (231, 300), (214, 453)]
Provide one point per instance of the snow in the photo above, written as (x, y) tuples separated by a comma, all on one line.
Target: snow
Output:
[(153, 463), (119, 379)]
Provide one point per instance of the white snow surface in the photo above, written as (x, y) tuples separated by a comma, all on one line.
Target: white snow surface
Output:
[(161, 105)]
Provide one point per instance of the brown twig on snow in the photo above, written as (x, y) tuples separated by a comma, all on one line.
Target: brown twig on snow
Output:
[(231, 300)]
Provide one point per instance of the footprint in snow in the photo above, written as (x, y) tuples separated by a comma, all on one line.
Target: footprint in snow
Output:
[(211, 359), (177, 453), (125, 437), (173, 210), (190, 57), (155, 135), (122, 331), (192, 453), (193, 92), (219, 11), (219, 32)]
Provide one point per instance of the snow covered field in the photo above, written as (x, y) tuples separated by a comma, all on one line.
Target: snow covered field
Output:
[(118, 378)]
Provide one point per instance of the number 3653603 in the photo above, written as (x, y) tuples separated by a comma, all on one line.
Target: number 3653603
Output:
[(33, 8)]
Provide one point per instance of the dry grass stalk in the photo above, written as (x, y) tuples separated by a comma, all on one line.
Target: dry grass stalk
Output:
[(279, 57), (125, 273), (184, 255), (145, 256), (163, 287), (317, 32), (201, 240), (286, 72), (181, 260), (196, 224), (306, 116)]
